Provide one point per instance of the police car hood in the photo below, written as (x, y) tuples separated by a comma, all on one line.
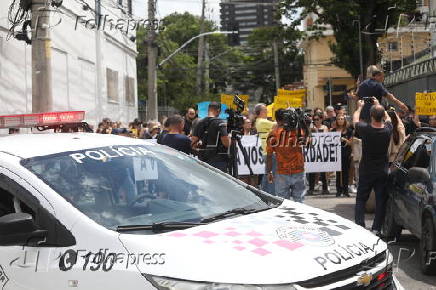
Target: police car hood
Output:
[(291, 243)]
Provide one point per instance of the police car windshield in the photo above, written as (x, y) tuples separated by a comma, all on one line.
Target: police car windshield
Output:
[(140, 185)]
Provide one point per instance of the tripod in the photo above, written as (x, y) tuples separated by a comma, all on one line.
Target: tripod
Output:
[(233, 160)]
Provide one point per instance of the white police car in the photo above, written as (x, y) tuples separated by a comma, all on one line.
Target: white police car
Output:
[(92, 211)]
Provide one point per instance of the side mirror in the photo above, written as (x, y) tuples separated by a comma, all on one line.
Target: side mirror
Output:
[(419, 175), (18, 229)]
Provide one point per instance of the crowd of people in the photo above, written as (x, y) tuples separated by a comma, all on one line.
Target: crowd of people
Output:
[(370, 140)]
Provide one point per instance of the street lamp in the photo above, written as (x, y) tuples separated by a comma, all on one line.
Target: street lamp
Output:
[(191, 40)]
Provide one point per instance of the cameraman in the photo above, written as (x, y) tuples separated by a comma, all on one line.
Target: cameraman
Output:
[(211, 139), (290, 160), (373, 171), (373, 87)]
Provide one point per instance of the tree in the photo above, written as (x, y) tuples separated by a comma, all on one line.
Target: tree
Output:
[(341, 16), (261, 62), (176, 79)]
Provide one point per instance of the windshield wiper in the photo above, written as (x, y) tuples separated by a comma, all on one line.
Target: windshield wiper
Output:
[(158, 227), (232, 212)]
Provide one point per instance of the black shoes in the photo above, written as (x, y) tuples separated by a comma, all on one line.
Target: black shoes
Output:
[(341, 191)]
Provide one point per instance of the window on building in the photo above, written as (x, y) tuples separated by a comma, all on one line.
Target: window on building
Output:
[(129, 85), (112, 85), (393, 46)]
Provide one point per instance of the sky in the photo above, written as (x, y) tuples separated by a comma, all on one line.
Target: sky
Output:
[(166, 7)]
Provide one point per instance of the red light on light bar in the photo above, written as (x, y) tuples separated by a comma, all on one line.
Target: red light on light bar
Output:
[(382, 276), (42, 119)]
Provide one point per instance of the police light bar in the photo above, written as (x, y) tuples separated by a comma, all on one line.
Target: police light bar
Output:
[(42, 119)]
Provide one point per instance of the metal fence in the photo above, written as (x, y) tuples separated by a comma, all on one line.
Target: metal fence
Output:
[(406, 82)]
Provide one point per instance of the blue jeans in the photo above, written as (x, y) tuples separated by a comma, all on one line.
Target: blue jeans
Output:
[(266, 186), (292, 185)]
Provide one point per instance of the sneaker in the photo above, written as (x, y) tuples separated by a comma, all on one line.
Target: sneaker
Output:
[(325, 191), (310, 192), (352, 188), (346, 193)]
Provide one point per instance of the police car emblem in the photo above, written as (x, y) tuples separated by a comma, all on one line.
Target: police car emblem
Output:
[(306, 235), (364, 280)]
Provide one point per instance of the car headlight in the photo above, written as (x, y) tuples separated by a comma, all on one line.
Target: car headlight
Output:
[(163, 283)]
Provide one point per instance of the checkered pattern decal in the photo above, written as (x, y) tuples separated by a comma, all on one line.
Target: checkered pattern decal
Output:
[(330, 226), (281, 229)]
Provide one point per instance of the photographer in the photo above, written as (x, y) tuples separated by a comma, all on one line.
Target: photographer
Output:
[(211, 139), (284, 142), (373, 87), (373, 171)]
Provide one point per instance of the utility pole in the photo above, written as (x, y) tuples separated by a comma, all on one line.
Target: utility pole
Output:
[(42, 98), (276, 64), (330, 90), (206, 69), (152, 104), (201, 46), (98, 60)]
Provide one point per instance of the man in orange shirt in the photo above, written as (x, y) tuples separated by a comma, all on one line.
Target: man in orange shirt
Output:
[(289, 179)]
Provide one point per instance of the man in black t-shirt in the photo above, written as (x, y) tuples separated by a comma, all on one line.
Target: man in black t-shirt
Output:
[(373, 87), (211, 139), (373, 170), (175, 137)]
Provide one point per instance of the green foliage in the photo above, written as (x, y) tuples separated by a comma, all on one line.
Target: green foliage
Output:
[(262, 57), (342, 16), (177, 78), (244, 68)]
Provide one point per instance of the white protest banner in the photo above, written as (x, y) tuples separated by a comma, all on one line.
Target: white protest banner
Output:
[(324, 153), (252, 145)]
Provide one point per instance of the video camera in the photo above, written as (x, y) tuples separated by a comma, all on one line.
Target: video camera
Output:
[(294, 119), (235, 121)]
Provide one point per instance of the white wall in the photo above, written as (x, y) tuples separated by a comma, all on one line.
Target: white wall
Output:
[(74, 66)]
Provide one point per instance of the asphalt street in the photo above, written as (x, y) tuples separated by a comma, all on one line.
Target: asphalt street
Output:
[(406, 265)]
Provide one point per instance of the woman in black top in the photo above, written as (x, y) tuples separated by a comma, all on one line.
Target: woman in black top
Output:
[(346, 137)]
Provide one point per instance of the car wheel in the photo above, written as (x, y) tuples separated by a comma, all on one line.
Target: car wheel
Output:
[(428, 247), (391, 230)]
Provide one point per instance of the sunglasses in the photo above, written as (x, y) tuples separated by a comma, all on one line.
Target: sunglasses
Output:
[(316, 119)]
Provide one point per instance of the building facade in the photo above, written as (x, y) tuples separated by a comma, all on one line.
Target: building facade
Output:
[(326, 83), (92, 69), (247, 16)]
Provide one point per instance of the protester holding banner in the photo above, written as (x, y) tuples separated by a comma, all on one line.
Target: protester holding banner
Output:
[(318, 127), (342, 177), (248, 127), (264, 127), (290, 160)]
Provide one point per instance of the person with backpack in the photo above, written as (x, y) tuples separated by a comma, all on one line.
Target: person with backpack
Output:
[(210, 138)]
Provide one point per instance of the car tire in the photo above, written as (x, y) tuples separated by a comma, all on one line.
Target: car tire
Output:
[(391, 230), (427, 245)]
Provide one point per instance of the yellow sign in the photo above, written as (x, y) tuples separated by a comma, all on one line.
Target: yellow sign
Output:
[(293, 93), (294, 99), (270, 110), (228, 100), (426, 104)]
